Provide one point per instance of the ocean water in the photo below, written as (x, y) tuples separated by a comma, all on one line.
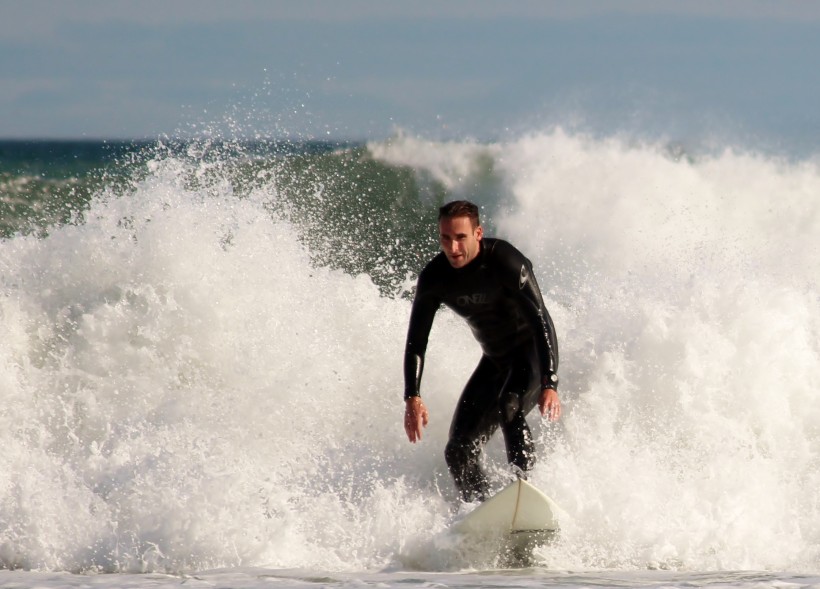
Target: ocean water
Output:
[(200, 363)]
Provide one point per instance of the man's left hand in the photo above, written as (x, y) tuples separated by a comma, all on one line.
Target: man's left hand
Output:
[(549, 404)]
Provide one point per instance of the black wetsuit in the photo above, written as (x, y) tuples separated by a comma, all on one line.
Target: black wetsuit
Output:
[(498, 296)]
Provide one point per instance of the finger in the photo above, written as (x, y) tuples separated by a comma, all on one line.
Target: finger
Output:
[(421, 421), (545, 406), (409, 429), (413, 428)]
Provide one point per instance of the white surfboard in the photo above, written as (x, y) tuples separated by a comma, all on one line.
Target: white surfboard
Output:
[(517, 509)]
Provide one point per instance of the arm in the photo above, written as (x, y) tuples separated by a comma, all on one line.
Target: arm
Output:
[(519, 279), (422, 314), (541, 323), (549, 404)]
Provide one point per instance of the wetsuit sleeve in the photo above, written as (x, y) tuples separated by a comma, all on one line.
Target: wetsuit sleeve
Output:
[(518, 278), (425, 305)]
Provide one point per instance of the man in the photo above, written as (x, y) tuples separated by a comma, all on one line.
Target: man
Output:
[(491, 284)]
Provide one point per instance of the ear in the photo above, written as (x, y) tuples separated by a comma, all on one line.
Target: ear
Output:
[(479, 232)]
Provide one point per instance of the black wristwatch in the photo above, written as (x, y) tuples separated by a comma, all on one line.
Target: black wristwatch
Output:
[(550, 381)]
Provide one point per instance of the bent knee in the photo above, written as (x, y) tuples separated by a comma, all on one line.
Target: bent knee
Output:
[(510, 407), (459, 452)]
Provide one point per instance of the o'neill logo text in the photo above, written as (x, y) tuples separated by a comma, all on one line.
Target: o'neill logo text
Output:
[(474, 299)]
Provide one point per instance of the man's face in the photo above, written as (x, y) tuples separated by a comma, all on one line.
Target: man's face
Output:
[(459, 241)]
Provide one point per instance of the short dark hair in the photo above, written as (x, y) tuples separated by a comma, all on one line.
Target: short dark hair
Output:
[(460, 208)]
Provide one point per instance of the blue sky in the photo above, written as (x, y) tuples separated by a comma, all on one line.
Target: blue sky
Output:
[(740, 70)]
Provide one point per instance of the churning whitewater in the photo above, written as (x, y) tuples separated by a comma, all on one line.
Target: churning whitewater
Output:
[(202, 372)]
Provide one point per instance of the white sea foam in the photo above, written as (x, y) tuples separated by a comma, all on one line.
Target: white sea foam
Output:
[(182, 390), (685, 294)]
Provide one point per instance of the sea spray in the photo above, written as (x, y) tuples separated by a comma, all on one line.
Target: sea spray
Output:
[(691, 357), (190, 391), (204, 369), (685, 294)]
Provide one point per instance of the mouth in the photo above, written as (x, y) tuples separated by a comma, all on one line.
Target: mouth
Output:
[(455, 259)]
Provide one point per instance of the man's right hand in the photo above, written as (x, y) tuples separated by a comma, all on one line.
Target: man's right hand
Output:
[(415, 418)]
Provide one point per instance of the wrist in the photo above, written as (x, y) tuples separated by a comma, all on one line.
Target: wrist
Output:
[(550, 381)]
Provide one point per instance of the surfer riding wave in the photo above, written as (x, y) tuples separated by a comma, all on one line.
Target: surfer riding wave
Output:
[(491, 285)]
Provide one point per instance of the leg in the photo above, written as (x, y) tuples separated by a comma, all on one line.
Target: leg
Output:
[(475, 419), (519, 395)]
